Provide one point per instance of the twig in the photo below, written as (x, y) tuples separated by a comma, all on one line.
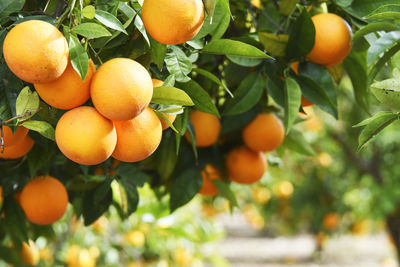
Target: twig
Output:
[(26, 114), (370, 167)]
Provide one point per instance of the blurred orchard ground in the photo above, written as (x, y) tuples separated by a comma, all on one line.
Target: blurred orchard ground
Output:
[(132, 130)]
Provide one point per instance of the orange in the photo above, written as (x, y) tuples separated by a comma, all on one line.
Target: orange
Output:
[(206, 128), (331, 221), (135, 238), (284, 189), (44, 200), (10, 138), (332, 39), (208, 174), (121, 89), (173, 21), (68, 91), (183, 257), (138, 138), (36, 51), (84, 136), (304, 102), (18, 150), (170, 117), (30, 253), (264, 133), (245, 166), (157, 83)]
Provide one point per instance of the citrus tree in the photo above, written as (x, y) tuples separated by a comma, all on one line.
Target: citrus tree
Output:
[(99, 98)]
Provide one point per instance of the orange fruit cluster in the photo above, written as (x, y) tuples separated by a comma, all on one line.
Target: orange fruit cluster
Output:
[(120, 124)]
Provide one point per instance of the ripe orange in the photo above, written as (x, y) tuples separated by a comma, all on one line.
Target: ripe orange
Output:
[(44, 200), (84, 136), (173, 21), (245, 166), (331, 221), (304, 102), (11, 139), (332, 39), (206, 127), (284, 189), (264, 133), (121, 89), (18, 150), (68, 91), (135, 238), (36, 51), (30, 253), (170, 117), (208, 174), (137, 138)]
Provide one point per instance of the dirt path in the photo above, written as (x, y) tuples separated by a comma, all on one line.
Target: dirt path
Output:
[(244, 248)]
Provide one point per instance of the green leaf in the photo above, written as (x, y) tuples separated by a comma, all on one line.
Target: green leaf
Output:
[(91, 30), (356, 67), (10, 86), (233, 48), (200, 97), (91, 209), (14, 221), (88, 12), (140, 27), (237, 122), (178, 64), (274, 43), (295, 141), (158, 52), (133, 173), (10, 256), (368, 120), (27, 104), (374, 126), (286, 6), (374, 27), (110, 21), (165, 119), (167, 95), (246, 96), (217, 24), (213, 78), (42, 127), (275, 89), (318, 86), (301, 36), (292, 102), (184, 188), (37, 160), (10, 6), (128, 11), (386, 12), (129, 196), (78, 56), (382, 61), (226, 192), (388, 92), (210, 6), (385, 42), (165, 155), (361, 8)]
